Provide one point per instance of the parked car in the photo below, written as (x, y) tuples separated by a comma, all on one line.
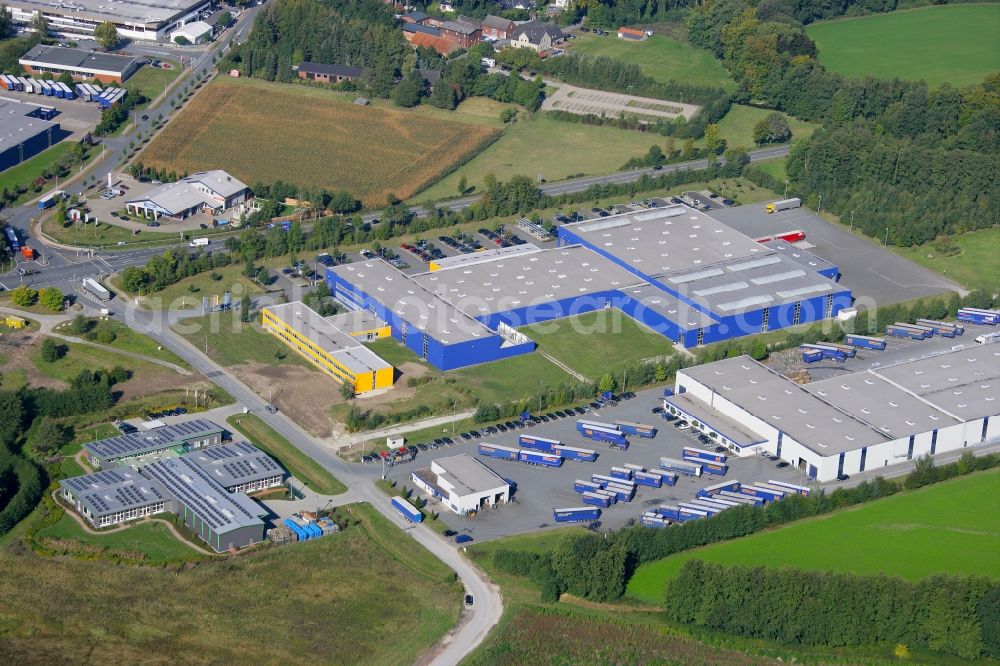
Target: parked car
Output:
[(782, 465), (271, 409)]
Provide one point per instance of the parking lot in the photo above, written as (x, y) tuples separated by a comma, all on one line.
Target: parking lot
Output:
[(896, 350), (75, 115), (541, 489), (875, 275)]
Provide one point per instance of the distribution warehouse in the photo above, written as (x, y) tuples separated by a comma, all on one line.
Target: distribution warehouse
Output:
[(675, 270), (133, 19), (23, 134), (54, 60), (205, 488), (462, 483), (849, 423)]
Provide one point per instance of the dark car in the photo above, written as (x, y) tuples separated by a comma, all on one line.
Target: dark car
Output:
[(543, 418), (145, 117), (842, 477), (721, 449), (466, 436), (447, 440), (439, 441), (490, 430), (580, 410), (728, 202), (468, 597), (464, 538), (782, 465), (656, 410), (628, 395), (658, 167), (475, 433)]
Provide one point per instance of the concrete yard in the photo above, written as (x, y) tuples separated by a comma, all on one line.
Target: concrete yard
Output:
[(75, 116), (598, 102), (875, 275), (540, 489)]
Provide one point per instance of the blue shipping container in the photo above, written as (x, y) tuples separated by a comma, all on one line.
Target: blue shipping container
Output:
[(495, 451), (573, 453), (576, 514), (538, 443), (408, 511), (865, 342), (594, 499), (539, 458)]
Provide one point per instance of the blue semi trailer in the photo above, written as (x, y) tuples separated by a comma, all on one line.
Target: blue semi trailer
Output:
[(865, 342), (680, 466), (612, 436), (757, 491), (714, 489), (539, 458), (538, 443), (637, 429), (702, 456), (595, 499), (651, 479), (899, 330), (581, 486), (576, 514), (410, 512), (499, 452), (978, 316), (650, 519), (799, 490), (621, 473), (573, 453)]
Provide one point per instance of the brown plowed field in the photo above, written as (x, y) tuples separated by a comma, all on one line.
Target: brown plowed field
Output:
[(281, 132)]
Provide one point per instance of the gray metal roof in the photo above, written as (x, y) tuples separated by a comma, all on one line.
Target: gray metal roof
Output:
[(523, 280), (420, 27), (58, 56), (185, 194), (16, 127), (147, 441), (727, 427), (413, 302), (139, 13), (964, 383), (218, 181), (233, 464), (655, 299), (466, 475), (807, 418), (497, 22), (356, 321), (324, 334), (334, 70), (485, 256), (799, 255), (204, 496), (110, 491), (535, 29)]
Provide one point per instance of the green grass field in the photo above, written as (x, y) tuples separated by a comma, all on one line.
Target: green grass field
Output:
[(958, 44), (775, 167), (26, 172), (152, 538), (126, 339), (83, 357), (609, 337), (102, 234), (332, 600), (189, 292), (913, 535), (230, 342), (660, 58), (151, 81), (548, 148), (975, 266), (737, 125), (301, 466)]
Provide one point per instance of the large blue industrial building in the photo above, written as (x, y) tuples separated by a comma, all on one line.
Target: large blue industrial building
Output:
[(23, 134), (676, 270)]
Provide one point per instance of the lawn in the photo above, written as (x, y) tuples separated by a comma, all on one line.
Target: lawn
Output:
[(230, 342), (444, 392), (104, 234), (912, 535), (152, 539), (547, 148), (28, 171), (737, 125), (189, 292), (958, 44), (301, 466), (660, 58), (152, 81), (332, 600), (80, 357), (775, 168), (609, 337), (125, 338), (369, 151), (976, 264)]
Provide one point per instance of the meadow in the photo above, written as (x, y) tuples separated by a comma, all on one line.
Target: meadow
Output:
[(660, 58), (333, 600), (912, 535), (610, 338), (973, 262), (737, 125), (957, 44), (281, 132)]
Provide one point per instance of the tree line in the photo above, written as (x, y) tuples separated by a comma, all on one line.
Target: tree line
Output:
[(944, 614), (908, 162), (597, 567)]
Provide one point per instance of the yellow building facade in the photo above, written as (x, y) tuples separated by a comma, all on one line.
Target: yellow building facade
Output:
[(328, 347)]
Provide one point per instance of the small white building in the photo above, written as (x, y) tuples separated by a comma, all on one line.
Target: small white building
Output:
[(462, 483), (208, 192), (850, 423), (196, 32)]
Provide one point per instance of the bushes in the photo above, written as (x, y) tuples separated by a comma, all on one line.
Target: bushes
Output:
[(29, 488), (797, 607)]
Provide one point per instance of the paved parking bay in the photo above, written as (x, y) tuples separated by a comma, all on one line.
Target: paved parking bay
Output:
[(540, 489), (896, 350), (75, 116), (871, 272)]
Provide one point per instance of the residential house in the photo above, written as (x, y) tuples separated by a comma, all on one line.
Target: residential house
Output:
[(441, 44), (510, 5), (496, 27), (632, 35), (446, 6), (537, 36), (410, 29), (318, 71)]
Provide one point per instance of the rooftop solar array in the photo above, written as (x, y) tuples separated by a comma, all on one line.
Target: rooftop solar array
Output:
[(110, 491), (202, 495), (148, 441), (323, 333), (234, 464)]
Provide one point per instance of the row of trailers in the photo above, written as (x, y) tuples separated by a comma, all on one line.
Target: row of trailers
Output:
[(537, 451), (715, 499), (696, 462), (919, 330), (614, 434), (105, 97)]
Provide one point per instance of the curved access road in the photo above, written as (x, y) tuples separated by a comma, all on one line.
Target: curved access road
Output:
[(475, 621)]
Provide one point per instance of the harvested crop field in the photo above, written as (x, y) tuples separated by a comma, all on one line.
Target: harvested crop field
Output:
[(269, 132)]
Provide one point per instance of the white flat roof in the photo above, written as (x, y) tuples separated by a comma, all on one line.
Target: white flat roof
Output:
[(467, 475)]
